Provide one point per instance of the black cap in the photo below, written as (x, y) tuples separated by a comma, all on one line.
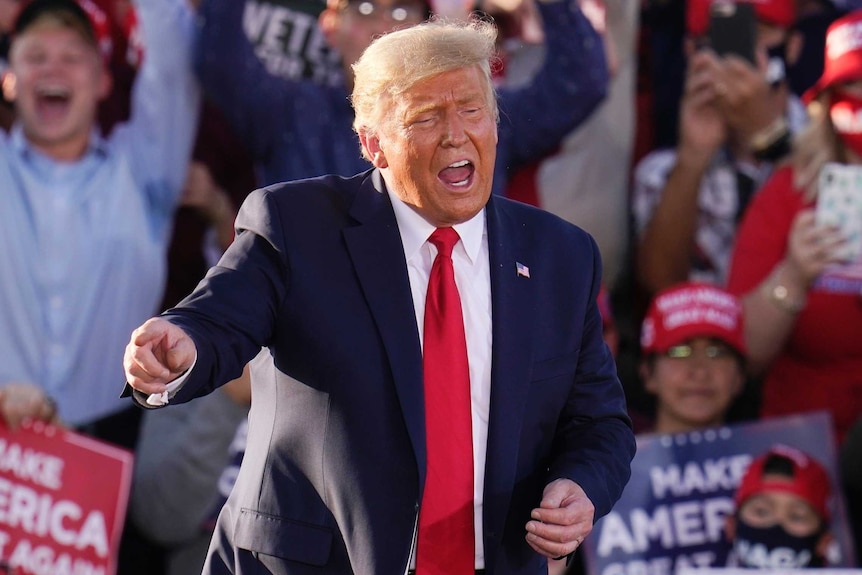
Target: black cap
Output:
[(67, 11)]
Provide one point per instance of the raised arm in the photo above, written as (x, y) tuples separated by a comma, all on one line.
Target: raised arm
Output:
[(235, 79), (667, 236), (572, 81), (165, 104)]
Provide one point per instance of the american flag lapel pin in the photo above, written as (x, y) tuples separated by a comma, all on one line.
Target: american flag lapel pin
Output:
[(522, 270)]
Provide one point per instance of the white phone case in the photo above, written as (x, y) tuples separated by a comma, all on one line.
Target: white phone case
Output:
[(839, 203)]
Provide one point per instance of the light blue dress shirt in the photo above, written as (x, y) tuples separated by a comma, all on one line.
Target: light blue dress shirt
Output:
[(83, 244)]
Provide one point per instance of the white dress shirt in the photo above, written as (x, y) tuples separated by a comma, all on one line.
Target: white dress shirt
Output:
[(472, 276)]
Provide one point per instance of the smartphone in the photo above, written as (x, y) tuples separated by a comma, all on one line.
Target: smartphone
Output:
[(732, 29), (839, 203)]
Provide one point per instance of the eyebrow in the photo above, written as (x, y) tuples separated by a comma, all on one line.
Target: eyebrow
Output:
[(470, 97), (459, 100)]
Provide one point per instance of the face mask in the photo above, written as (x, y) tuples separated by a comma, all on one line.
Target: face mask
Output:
[(776, 65), (846, 114), (773, 548)]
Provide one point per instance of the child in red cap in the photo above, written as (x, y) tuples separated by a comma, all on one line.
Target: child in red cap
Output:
[(693, 349), (782, 512)]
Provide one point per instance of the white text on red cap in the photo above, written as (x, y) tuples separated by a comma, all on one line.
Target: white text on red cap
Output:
[(844, 39)]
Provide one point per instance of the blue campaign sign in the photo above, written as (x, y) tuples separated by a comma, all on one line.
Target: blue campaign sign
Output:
[(672, 513)]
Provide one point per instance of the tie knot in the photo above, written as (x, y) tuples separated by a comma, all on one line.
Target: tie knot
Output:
[(444, 239)]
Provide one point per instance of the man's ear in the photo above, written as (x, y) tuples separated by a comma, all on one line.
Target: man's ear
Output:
[(10, 90), (372, 150)]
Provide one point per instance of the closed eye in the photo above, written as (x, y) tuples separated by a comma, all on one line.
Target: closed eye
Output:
[(421, 121)]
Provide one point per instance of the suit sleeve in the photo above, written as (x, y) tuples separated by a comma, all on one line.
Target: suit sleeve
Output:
[(232, 313), (595, 442)]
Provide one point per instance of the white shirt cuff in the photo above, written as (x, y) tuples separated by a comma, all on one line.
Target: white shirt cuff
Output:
[(159, 399)]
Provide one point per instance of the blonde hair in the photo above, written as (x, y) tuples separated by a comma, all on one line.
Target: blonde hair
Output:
[(396, 61), (816, 145)]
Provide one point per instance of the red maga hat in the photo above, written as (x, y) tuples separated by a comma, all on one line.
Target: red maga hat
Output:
[(93, 20), (690, 310), (843, 54)]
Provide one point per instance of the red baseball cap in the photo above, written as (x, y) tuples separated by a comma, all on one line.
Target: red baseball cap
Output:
[(843, 54), (689, 310), (777, 12), (94, 23), (810, 480)]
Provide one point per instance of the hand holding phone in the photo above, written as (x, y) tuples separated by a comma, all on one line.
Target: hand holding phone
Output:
[(839, 204)]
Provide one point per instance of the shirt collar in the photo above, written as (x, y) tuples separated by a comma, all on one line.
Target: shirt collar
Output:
[(20, 144), (415, 229)]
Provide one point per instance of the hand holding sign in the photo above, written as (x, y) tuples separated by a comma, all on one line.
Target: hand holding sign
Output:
[(21, 401)]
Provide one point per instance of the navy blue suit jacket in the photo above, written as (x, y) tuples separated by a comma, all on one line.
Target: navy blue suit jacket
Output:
[(334, 469)]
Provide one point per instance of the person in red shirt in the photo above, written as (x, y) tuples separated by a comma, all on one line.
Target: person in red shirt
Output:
[(801, 294)]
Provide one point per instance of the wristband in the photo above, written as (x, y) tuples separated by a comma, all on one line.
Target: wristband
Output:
[(776, 150), (773, 142)]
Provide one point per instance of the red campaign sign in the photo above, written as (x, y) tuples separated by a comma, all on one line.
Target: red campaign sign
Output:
[(63, 499)]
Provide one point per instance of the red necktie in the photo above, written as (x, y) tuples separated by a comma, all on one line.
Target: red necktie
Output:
[(445, 545)]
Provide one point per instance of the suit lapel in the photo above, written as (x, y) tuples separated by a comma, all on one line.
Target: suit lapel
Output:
[(512, 305), (378, 258)]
